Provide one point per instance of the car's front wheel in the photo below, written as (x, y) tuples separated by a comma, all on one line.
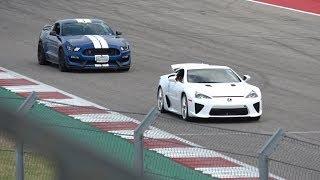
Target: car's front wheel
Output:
[(41, 55), (160, 100), (62, 62), (184, 108)]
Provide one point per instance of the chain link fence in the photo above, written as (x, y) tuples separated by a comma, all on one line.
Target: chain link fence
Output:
[(296, 159), (222, 153), (292, 159), (37, 166)]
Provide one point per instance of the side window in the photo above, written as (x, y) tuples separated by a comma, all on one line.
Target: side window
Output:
[(56, 28), (180, 75)]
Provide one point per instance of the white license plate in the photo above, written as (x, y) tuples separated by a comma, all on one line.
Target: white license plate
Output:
[(101, 58)]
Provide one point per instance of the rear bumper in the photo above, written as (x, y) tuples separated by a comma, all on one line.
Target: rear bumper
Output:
[(224, 108)]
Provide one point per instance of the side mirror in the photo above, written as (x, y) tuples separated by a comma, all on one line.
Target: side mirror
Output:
[(246, 78), (46, 27), (118, 33), (53, 33), (172, 77)]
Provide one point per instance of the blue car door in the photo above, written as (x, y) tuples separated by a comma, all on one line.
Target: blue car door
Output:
[(53, 42)]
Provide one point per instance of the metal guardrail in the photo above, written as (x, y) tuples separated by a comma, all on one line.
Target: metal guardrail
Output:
[(25, 106), (138, 139), (266, 152)]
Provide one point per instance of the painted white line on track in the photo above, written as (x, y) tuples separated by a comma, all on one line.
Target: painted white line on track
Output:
[(122, 133), (5, 75), (186, 152), (286, 8), (64, 102), (153, 134), (230, 172), (233, 172), (30, 88), (108, 117)]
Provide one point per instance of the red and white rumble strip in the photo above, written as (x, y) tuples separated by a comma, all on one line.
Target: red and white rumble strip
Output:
[(182, 151)]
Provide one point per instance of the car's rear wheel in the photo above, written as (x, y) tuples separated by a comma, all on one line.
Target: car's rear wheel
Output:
[(184, 108), (41, 55), (62, 62), (160, 100)]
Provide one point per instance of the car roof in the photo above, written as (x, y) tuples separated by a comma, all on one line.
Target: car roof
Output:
[(62, 21), (188, 66)]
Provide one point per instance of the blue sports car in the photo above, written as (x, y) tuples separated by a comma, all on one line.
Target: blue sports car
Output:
[(83, 44)]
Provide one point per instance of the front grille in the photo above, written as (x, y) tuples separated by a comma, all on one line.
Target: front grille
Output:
[(103, 51), (227, 112)]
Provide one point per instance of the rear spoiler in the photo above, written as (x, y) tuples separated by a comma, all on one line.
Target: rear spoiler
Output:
[(176, 67)]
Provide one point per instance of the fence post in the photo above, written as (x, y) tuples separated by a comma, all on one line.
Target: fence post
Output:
[(265, 153), (24, 107), (138, 139)]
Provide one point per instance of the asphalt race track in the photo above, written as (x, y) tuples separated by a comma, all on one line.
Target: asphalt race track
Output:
[(278, 48)]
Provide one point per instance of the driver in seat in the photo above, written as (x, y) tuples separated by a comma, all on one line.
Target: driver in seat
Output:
[(180, 75)]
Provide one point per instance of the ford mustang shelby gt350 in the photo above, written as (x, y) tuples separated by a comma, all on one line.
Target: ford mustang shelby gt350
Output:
[(83, 44), (208, 91)]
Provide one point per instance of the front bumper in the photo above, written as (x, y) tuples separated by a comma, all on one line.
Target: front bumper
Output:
[(227, 107), (76, 60)]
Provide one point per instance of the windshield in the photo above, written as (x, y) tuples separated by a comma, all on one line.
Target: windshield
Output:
[(212, 76), (75, 28)]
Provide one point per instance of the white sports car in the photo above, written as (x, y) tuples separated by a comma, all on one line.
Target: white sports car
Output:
[(208, 91)]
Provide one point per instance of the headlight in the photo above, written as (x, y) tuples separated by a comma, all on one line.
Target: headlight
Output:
[(252, 94), (202, 96), (125, 47), (71, 48)]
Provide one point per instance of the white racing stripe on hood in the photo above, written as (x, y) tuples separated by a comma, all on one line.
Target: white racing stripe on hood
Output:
[(95, 41), (103, 42)]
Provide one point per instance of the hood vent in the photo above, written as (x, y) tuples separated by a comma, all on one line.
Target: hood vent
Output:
[(208, 85)]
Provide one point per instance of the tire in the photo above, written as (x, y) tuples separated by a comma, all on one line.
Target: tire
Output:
[(62, 62), (255, 118), (42, 60), (184, 108), (160, 100)]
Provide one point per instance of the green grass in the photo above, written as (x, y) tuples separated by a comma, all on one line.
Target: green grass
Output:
[(36, 166)]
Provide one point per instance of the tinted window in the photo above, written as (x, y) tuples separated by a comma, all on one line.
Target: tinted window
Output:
[(73, 29), (212, 76)]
